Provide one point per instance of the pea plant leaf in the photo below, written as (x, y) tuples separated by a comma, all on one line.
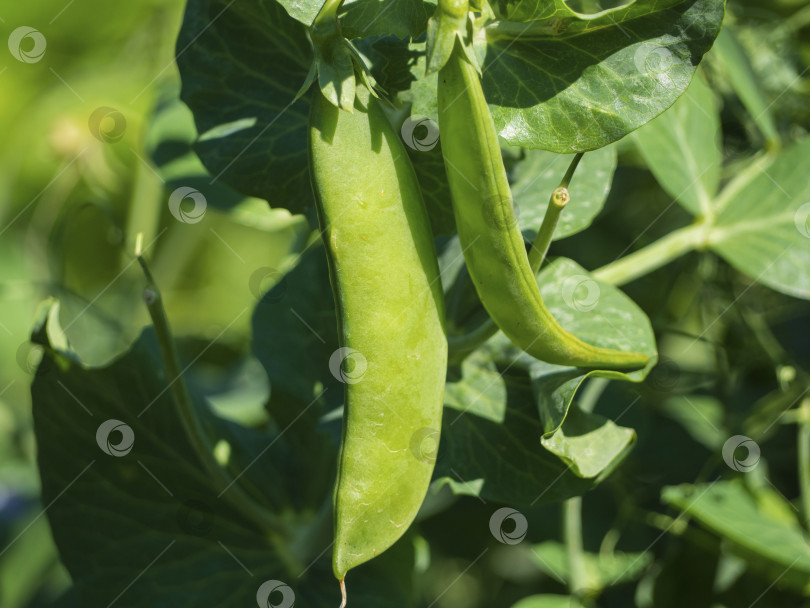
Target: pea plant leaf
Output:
[(303, 11), (429, 167), (241, 65), (590, 444), (400, 18), (536, 176), (566, 82), (762, 223), (736, 66), (138, 521), (490, 443), (770, 545), (369, 18), (601, 570), (682, 148), (295, 330)]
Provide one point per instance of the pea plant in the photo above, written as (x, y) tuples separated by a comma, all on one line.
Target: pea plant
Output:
[(436, 348)]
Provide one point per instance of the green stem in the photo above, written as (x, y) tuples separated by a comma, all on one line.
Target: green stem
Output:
[(572, 530), (144, 206), (652, 257), (191, 422), (459, 346), (804, 460), (542, 242)]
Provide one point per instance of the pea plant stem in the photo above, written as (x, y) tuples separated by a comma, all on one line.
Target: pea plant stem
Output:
[(652, 257), (572, 530), (804, 459), (192, 424)]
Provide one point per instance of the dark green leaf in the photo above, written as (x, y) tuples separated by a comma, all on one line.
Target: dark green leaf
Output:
[(736, 66), (536, 176), (490, 445), (590, 444), (769, 544), (602, 570), (149, 528), (566, 84), (295, 331), (401, 18), (242, 64), (304, 11)]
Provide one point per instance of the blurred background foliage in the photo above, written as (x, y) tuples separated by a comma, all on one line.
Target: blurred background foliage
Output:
[(73, 197)]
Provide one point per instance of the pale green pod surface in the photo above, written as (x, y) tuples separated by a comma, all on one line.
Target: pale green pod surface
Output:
[(385, 277), (488, 229)]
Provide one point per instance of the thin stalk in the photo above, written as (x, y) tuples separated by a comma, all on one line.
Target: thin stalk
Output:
[(542, 242), (195, 432), (464, 344), (572, 531), (144, 206), (652, 257), (804, 460)]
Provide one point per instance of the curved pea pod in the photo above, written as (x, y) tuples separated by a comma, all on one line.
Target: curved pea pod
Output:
[(489, 233), (385, 278)]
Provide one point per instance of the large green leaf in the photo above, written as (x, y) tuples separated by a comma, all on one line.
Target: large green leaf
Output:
[(402, 18), (762, 226), (682, 148), (565, 82), (367, 18), (429, 167), (701, 416), (295, 330), (736, 66), (304, 11), (241, 64), (601, 570), (590, 444), (142, 524), (769, 544), (536, 176), (490, 444)]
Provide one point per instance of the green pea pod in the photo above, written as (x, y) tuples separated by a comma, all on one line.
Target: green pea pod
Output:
[(489, 233), (385, 278)]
